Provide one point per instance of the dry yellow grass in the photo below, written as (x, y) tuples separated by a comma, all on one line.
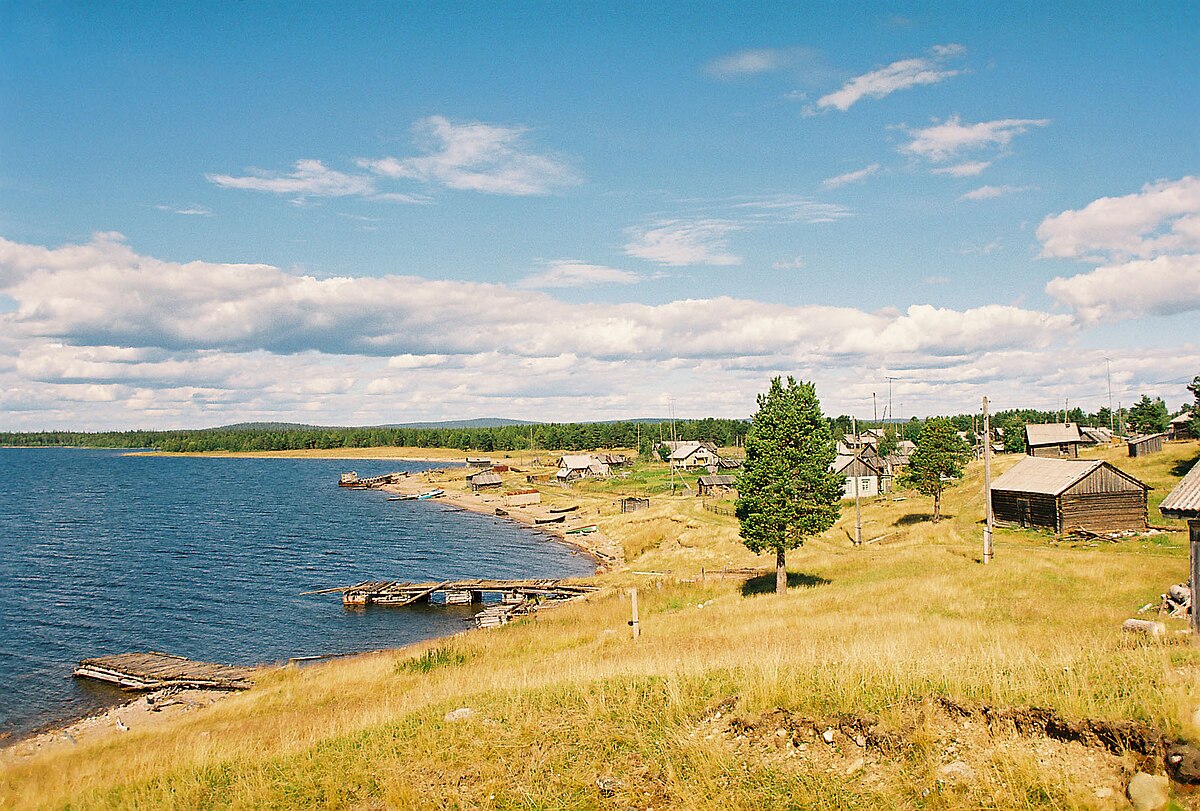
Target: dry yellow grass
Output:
[(567, 698)]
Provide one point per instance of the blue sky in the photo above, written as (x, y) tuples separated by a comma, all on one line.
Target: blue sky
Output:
[(357, 213)]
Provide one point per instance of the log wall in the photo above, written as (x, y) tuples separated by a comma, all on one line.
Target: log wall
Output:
[(1103, 512), (1025, 509)]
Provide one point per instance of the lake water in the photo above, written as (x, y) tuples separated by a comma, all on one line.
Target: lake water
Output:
[(102, 553)]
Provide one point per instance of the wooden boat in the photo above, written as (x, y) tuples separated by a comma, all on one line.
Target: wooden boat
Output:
[(590, 528), (570, 509), (501, 512), (558, 519), (431, 494), (405, 497)]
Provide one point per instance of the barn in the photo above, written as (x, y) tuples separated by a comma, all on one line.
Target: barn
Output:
[(1145, 445), (1069, 494), (1053, 440)]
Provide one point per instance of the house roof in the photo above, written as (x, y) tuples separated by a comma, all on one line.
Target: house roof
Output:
[(1136, 440), (686, 449), (487, 477), (1182, 419), (1054, 433), (1098, 436), (573, 461), (842, 462), (716, 481), (1184, 500), (1052, 477)]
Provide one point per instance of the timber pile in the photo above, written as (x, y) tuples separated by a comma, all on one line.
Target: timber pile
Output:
[(1177, 602), (153, 670)]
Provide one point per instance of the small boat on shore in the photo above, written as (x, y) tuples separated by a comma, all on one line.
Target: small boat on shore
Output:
[(405, 497), (558, 519), (500, 512), (570, 509), (590, 528), (431, 494)]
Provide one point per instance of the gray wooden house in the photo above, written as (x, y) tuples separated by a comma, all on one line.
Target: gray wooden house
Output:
[(1069, 494), (484, 480), (1055, 440), (1145, 445), (711, 485)]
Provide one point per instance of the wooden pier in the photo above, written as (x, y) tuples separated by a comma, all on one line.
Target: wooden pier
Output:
[(517, 597), (454, 592), (153, 670), (352, 479)]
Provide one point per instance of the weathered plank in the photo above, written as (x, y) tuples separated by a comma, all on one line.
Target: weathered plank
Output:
[(153, 670)]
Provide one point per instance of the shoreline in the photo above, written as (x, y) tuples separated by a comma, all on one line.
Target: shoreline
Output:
[(607, 554)]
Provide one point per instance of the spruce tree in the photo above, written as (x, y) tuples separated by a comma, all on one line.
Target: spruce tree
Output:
[(786, 490)]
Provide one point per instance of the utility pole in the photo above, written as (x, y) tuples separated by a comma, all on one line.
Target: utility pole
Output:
[(987, 483), (874, 410), (1108, 373), (854, 470), (890, 413)]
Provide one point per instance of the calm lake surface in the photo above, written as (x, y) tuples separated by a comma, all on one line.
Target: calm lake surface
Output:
[(102, 553)]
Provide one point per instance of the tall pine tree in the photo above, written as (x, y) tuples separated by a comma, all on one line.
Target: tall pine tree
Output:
[(786, 491), (938, 460)]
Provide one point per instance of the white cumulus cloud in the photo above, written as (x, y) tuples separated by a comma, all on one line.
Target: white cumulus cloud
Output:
[(947, 140)]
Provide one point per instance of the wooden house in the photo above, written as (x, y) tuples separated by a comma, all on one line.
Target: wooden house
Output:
[(714, 485), (580, 466), (1180, 427), (484, 480), (1056, 440), (1069, 494), (1095, 436), (1145, 445), (865, 471), (693, 454)]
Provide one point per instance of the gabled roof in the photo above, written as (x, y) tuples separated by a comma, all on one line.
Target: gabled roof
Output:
[(576, 461), (842, 463), (716, 481), (486, 477), (686, 449), (1136, 440), (1182, 419), (1054, 433), (1052, 477), (1184, 500)]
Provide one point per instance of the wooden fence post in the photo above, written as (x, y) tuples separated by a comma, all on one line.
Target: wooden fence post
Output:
[(637, 630)]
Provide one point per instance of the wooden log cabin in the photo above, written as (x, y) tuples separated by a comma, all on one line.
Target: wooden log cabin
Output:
[(1053, 440), (1145, 445), (1069, 494)]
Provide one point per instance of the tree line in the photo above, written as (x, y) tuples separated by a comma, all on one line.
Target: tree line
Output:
[(572, 436)]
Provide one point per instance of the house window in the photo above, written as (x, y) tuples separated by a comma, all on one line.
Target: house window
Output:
[(1064, 448)]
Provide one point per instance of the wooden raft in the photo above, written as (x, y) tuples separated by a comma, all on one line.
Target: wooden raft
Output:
[(153, 670)]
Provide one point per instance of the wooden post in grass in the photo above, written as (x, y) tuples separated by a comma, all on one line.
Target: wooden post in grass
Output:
[(1194, 580), (854, 470), (637, 630), (987, 483)]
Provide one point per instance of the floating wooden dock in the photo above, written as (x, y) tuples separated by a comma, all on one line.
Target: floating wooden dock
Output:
[(153, 670), (352, 479), (455, 592)]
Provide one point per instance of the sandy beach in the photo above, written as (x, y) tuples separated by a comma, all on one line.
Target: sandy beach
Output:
[(146, 711), (607, 553)]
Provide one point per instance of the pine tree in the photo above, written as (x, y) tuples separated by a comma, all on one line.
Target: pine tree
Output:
[(786, 491), (939, 458)]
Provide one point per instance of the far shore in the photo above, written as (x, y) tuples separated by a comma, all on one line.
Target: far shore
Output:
[(409, 454)]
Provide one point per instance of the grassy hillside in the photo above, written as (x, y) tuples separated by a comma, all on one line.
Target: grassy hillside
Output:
[(916, 662)]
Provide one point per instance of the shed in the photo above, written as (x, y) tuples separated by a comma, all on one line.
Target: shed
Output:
[(1069, 494), (484, 480), (707, 485), (1145, 445), (1181, 427), (1056, 440), (631, 504), (1184, 499), (1095, 436)]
